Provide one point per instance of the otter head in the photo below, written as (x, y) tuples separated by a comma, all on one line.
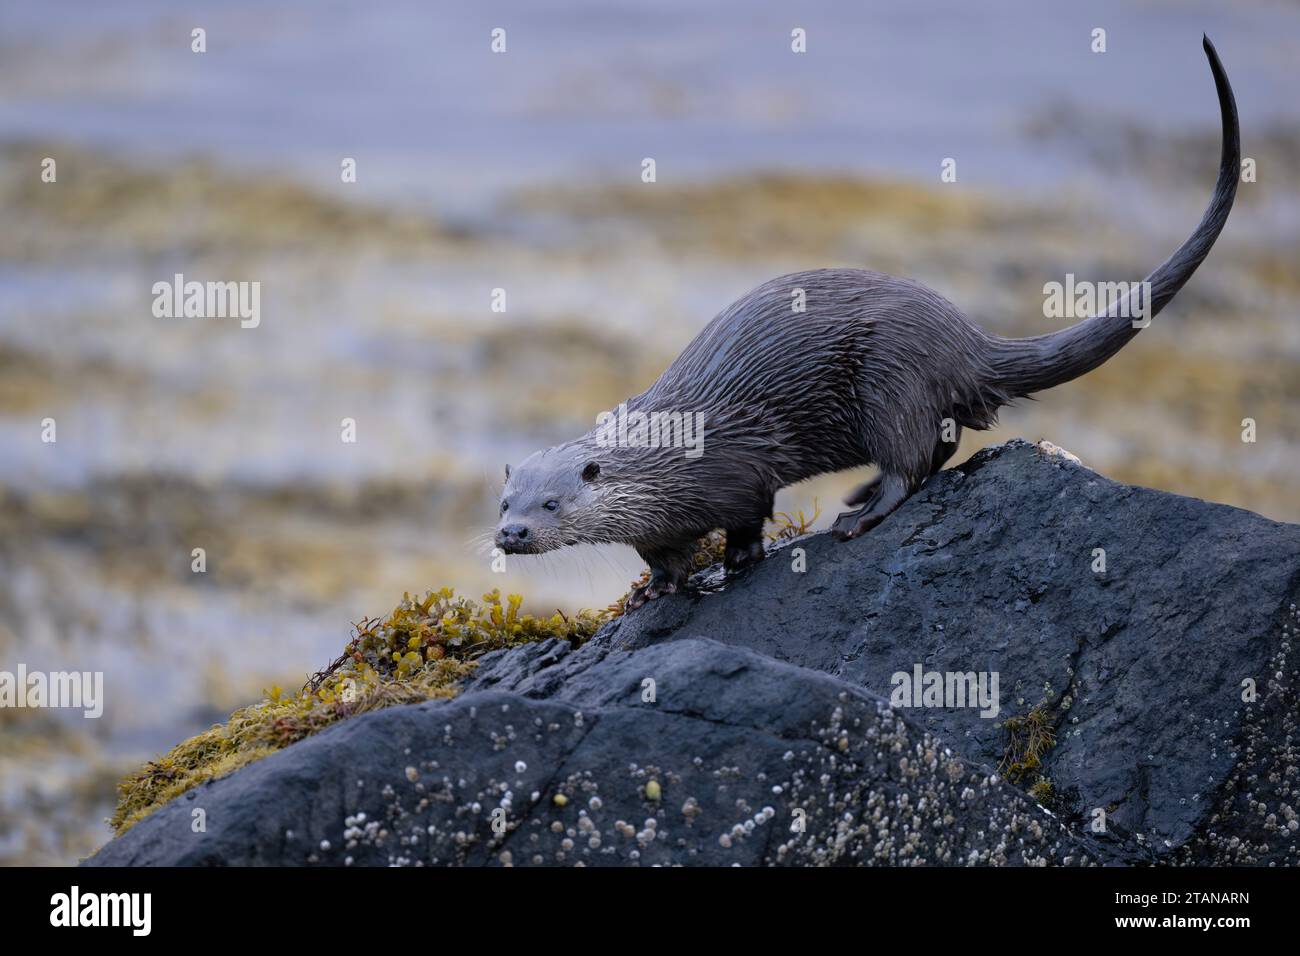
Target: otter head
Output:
[(547, 501)]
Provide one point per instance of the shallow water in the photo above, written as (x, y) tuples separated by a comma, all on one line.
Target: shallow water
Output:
[(588, 88)]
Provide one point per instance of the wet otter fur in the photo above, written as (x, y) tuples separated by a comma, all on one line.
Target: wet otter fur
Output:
[(876, 370)]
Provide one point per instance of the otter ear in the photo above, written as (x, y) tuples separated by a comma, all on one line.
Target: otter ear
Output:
[(507, 472), (590, 471)]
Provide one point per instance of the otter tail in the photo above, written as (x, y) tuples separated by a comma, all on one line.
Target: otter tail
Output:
[(1023, 366)]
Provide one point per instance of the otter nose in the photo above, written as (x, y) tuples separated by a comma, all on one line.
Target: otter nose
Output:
[(512, 534)]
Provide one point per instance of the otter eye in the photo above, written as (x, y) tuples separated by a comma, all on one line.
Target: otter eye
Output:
[(552, 505), (505, 506)]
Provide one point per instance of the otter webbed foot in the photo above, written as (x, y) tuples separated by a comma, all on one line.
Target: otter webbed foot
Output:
[(883, 498), (656, 587), (670, 565), (851, 524)]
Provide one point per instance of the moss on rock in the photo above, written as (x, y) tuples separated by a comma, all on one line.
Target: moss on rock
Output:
[(421, 651)]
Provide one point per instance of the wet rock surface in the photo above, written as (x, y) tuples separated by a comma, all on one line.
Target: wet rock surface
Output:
[(749, 724), (739, 760), (1140, 667)]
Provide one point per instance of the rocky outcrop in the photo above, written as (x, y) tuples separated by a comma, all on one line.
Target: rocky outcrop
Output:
[(1145, 698)]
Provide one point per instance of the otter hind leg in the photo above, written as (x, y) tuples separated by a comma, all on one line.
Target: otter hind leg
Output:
[(863, 492), (882, 495), (890, 492), (744, 547)]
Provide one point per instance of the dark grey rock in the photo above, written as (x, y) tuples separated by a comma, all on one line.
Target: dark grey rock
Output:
[(767, 707), (990, 568), (740, 746)]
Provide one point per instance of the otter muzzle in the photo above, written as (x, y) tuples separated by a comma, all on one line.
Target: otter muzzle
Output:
[(513, 538)]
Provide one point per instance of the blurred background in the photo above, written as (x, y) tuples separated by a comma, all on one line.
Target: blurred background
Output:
[(522, 171)]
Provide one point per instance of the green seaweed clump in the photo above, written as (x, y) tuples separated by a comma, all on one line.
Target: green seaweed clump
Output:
[(1043, 791), (1029, 737), (791, 525), (420, 652)]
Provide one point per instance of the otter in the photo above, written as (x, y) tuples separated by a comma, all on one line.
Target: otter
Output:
[(876, 370)]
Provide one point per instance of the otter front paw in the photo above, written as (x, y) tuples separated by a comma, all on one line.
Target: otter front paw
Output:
[(654, 588), (741, 556)]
